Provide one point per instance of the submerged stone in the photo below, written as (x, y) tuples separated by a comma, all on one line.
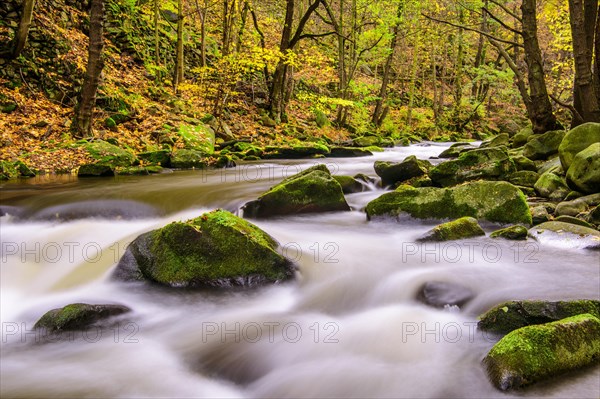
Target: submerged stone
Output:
[(535, 353), (493, 201), (313, 190), (440, 294), (217, 249)]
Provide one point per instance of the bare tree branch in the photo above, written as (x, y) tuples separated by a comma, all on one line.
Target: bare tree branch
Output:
[(504, 25)]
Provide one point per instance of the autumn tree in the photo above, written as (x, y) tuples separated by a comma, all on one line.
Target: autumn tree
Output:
[(18, 43), (85, 110)]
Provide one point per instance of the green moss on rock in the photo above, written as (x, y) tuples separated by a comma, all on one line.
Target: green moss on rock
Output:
[(77, 316), (188, 159), (493, 201), (584, 173), (95, 170), (465, 227), (535, 353), (525, 178), (486, 163), (577, 140), (217, 249), (511, 233), (366, 141), (509, 316), (8, 170), (161, 157), (524, 163), (347, 152), (349, 184), (199, 137), (544, 145), (391, 172), (551, 186), (310, 191), (573, 220), (108, 154)]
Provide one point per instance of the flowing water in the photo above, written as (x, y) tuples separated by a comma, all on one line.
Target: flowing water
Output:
[(349, 326)]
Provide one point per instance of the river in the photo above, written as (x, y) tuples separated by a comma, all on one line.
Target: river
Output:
[(349, 326)]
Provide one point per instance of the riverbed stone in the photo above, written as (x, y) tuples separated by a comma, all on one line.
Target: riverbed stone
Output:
[(493, 201), (95, 170), (511, 315), (313, 190), (535, 353), (486, 163), (544, 145), (392, 172), (349, 184), (551, 186), (465, 227), (105, 153), (188, 159), (515, 232), (347, 152), (524, 163), (589, 238), (500, 140), (539, 214), (455, 150), (440, 294), (577, 140), (77, 316), (524, 178), (584, 173), (217, 249), (573, 220), (366, 141), (160, 157), (296, 151), (570, 208), (520, 139)]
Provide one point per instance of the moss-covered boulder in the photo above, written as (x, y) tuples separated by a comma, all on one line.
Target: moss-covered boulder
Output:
[(577, 140), (198, 137), (160, 157), (440, 294), (310, 191), (465, 227), (524, 163), (217, 249), (95, 170), (392, 172), (516, 232), (349, 184), (455, 150), (108, 154), (348, 152), (535, 353), (366, 141), (8, 170), (584, 173), (525, 178), (544, 145), (567, 232), (493, 201), (23, 169), (77, 316), (520, 139), (298, 151), (509, 316), (593, 217), (486, 163), (551, 186), (188, 159), (500, 140)]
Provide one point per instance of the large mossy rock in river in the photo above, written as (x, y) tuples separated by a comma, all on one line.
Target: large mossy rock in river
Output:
[(349, 184), (584, 173), (392, 172), (542, 146), (77, 316), (108, 154), (310, 191), (577, 140), (485, 163), (535, 353), (217, 249), (188, 159), (493, 201), (516, 232), (465, 227), (509, 316)]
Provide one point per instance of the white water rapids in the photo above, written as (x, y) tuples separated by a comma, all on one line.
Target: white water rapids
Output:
[(349, 326)]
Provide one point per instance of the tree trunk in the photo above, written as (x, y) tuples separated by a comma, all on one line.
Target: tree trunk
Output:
[(585, 98), (480, 56), (179, 58), (597, 57), (542, 117), (458, 68), (156, 35), (21, 36), (94, 69), (377, 119)]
